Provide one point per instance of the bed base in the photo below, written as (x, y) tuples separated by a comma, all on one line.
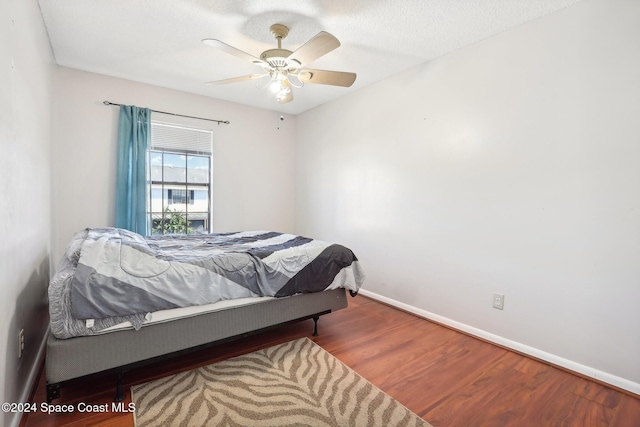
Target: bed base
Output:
[(53, 390), (124, 350)]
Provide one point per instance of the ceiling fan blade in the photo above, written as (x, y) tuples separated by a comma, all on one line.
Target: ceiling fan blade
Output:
[(237, 79), (323, 77), (316, 47), (233, 51)]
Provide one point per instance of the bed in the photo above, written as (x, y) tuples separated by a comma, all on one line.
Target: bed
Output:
[(118, 299)]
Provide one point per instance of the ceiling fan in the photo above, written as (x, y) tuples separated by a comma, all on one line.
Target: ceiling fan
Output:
[(285, 68)]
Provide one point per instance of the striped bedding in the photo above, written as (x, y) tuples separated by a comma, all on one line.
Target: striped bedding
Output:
[(110, 275)]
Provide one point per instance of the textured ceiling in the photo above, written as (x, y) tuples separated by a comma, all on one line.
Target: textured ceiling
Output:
[(159, 41)]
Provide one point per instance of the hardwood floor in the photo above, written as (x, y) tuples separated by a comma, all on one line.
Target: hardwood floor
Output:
[(448, 378)]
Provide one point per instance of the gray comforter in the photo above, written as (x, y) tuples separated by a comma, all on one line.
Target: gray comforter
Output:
[(110, 275)]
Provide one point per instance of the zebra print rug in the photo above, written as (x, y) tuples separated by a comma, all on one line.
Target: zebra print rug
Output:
[(293, 384)]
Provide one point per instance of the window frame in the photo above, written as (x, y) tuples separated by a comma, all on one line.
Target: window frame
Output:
[(190, 189)]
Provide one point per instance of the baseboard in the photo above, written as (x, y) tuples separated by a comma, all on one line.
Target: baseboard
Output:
[(569, 365), (32, 381)]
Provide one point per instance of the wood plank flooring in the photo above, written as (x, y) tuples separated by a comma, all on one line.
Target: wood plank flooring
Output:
[(448, 378)]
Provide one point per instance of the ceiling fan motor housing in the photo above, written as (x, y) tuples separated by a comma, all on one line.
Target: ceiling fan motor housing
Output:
[(277, 58)]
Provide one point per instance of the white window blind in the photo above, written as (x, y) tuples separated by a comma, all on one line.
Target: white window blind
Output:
[(169, 137)]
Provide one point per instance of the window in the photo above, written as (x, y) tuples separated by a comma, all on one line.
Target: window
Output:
[(180, 196), (180, 184)]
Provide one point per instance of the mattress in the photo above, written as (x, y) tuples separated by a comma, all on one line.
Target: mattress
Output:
[(112, 279)]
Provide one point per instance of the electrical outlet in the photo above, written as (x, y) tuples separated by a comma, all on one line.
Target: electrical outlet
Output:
[(20, 343), (498, 301)]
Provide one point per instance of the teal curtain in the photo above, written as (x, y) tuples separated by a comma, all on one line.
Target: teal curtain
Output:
[(134, 132)]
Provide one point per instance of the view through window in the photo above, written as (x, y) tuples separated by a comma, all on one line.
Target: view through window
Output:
[(180, 184)]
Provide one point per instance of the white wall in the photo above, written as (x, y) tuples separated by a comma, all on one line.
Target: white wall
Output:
[(26, 69), (509, 166), (253, 157)]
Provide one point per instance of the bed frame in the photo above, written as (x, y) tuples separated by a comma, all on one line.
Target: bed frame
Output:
[(67, 359)]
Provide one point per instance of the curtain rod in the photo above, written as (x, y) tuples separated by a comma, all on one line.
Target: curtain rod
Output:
[(226, 122)]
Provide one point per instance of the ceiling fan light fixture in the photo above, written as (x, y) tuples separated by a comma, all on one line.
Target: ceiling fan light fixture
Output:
[(275, 86), (277, 77), (297, 83), (282, 94)]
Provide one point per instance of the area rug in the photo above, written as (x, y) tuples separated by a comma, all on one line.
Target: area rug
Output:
[(297, 383)]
